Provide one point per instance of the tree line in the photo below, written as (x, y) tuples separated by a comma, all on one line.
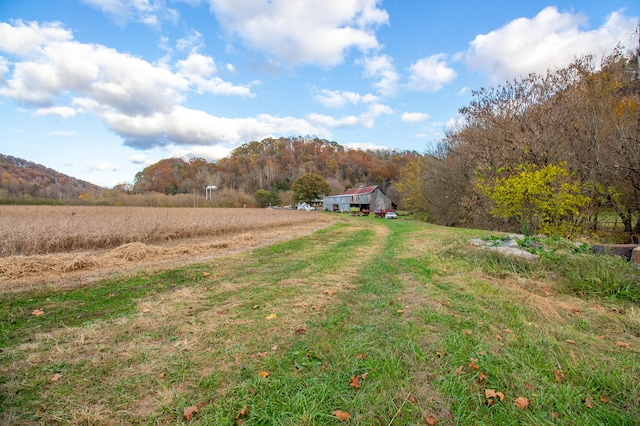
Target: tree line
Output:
[(579, 126)]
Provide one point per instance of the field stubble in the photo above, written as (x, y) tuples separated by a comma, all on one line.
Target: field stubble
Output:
[(39, 243)]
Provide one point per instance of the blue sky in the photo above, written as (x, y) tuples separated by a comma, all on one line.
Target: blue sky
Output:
[(98, 89)]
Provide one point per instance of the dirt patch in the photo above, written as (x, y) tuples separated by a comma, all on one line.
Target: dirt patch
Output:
[(69, 270)]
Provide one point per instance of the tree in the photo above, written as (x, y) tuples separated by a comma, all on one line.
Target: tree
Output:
[(309, 187), (538, 199)]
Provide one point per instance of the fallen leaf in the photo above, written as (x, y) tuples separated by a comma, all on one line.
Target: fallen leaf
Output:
[(558, 375), (242, 412), (264, 374), (481, 377), (189, 412), (529, 386), (473, 366), (341, 415), (364, 375), (499, 337), (555, 415), (431, 421), (200, 404), (576, 311), (329, 292), (361, 356), (271, 317), (55, 377), (412, 399), (259, 355), (440, 354), (571, 342), (600, 337), (161, 376), (506, 330), (604, 399), (623, 345), (301, 331), (399, 311), (482, 353), (146, 310), (205, 274), (521, 402), (493, 396), (37, 312), (587, 402), (355, 382), (459, 370), (469, 332)]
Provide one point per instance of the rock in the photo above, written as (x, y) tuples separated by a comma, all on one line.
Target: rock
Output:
[(515, 252), (622, 250), (635, 256)]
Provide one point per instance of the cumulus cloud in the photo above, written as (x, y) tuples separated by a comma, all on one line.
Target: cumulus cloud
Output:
[(548, 40), (137, 100), (146, 12), (380, 67), (414, 117), (430, 73), (367, 146), (64, 112), (316, 32), (338, 98), (366, 119)]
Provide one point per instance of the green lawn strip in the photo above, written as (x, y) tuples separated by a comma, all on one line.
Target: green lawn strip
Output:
[(479, 321), (34, 384)]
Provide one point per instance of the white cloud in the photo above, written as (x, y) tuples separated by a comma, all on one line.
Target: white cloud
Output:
[(381, 68), (367, 146), (414, 117), (64, 112), (211, 153), (367, 119), (146, 12), (60, 76), (316, 32), (193, 41), (338, 98), (548, 40), (105, 166), (431, 73), (198, 69), (62, 133)]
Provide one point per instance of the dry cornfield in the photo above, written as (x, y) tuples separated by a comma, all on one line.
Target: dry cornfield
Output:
[(29, 230), (39, 240)]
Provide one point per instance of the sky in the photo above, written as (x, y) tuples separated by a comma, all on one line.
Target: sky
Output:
[(99, 89)]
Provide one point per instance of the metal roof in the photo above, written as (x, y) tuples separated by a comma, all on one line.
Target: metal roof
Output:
[(363, 190)]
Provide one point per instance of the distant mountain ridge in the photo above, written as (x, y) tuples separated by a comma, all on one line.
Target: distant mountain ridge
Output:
[(20, 178)]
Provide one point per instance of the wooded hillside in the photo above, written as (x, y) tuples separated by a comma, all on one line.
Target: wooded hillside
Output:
[(21, 178), (273, 164)]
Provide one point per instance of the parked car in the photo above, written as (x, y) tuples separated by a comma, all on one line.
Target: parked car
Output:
[(391, 215)]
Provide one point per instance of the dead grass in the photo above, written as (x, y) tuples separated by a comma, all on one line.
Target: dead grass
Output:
[(32, 230), (22, 272)]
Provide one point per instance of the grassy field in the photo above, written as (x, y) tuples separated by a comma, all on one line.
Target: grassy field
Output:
[(369, 322)]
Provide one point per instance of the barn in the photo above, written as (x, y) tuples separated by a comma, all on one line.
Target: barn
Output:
[(364, 198)]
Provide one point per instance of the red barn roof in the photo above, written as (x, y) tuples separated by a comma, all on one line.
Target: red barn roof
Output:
[(362, 190)]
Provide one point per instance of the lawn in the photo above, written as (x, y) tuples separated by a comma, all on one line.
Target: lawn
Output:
[(368, 321)]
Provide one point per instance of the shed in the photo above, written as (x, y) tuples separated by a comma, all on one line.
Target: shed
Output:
[(364, 198)]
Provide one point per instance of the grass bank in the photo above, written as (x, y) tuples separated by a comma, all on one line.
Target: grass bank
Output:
[(369, 321)]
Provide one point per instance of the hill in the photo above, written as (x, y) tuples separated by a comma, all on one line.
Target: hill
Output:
[(20, 178)]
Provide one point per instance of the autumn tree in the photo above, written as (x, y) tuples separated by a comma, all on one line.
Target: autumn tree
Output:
[(538, 199), (309, 187)]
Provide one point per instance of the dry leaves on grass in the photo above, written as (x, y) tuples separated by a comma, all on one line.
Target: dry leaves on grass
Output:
[(354, 382), (493, 396), (558, 376), (264, 374), (341, 416), (37, 312), (623, 345), (55, 377), (271, 317), (431, 421), (189, 412), (521, 402)]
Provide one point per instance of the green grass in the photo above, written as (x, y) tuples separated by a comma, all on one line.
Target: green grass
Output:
[(406, 305)]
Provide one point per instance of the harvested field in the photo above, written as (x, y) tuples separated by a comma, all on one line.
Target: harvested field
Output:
[(46, 244)]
